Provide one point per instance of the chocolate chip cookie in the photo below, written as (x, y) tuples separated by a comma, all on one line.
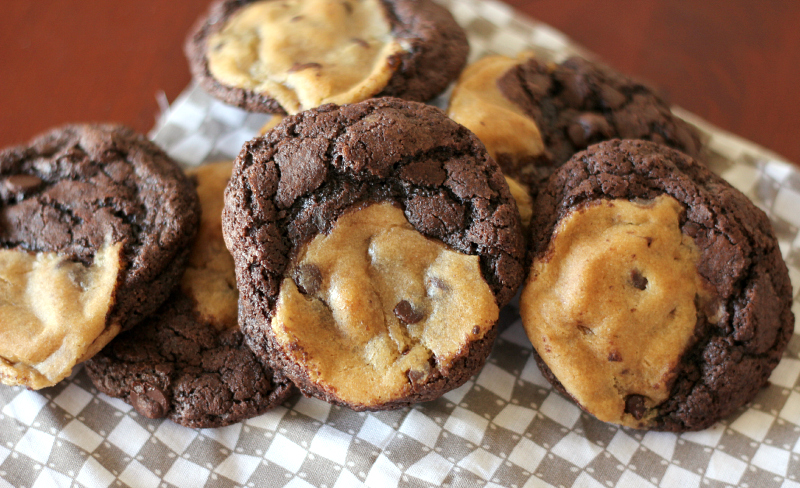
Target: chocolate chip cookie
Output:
[(374, 245), (95, 225), (292, 55), (533, 116), (657, 297), (188, 361)]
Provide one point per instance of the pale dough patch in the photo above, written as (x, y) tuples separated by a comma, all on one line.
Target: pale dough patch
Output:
[(53, 313), (523, 200), (347, 329), (479, 105), (210, 276), (305, 53), (612, 305)]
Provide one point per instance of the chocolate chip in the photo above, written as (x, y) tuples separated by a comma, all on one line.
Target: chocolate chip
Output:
[(22, 183), (612, 98), (634, 405), (476, 330), (149, 401), (414, 376), (348, 7), (638, 280), (308, 278), (406, 313), (614, 357), (575, 90), (589, 128), (301, 66), (439, 283)]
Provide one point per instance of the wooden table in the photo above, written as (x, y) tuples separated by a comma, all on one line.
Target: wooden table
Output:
[(734, 62)]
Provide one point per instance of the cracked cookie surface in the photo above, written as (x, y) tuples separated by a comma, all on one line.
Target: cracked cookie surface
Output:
[(687, 304), (297, 183), (533, 116), (285, 56), (188, 361), (95, 224)]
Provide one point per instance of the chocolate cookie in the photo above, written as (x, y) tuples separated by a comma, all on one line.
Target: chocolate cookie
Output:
[(188, 361), (657, 297), (533, 116), (292, 55), (95, 224), (374, 245)]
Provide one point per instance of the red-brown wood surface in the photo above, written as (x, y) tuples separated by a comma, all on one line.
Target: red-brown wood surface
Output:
[(733, 62)]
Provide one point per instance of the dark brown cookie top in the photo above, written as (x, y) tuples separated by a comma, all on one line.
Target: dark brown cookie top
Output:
[(76, 188), (578, 103), (296, 182), (188, 361), (434, 51), (740, 335), (178, 365)]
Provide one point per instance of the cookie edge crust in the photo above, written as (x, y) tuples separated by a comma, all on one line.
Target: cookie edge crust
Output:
[(110, 384)]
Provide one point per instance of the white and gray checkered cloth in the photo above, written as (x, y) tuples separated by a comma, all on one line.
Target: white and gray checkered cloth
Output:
[(505, 428)]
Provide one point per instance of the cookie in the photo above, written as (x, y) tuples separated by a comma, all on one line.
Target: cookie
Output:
[(657, 297), (96, 223), (188, 361), (533, 116), (292, 55), (375, 244)]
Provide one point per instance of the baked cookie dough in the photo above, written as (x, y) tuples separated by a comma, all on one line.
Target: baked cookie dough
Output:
[(286, 56), (95, 224), (375, 244), (657, 297), (188, 361), (533, 116)]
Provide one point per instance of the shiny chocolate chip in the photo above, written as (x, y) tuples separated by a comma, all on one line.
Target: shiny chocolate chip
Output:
[(634, 405), (406, 313), (638, 281), (589, 128), (149, 401), (308, 278)]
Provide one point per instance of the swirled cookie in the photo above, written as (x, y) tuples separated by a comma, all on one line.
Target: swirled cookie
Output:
[(285, 56), (657, 297), (374, 244), (95, 225), (188, 361), (533, 116)]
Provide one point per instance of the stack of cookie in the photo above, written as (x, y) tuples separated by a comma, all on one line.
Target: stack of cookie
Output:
[(373, 240)]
